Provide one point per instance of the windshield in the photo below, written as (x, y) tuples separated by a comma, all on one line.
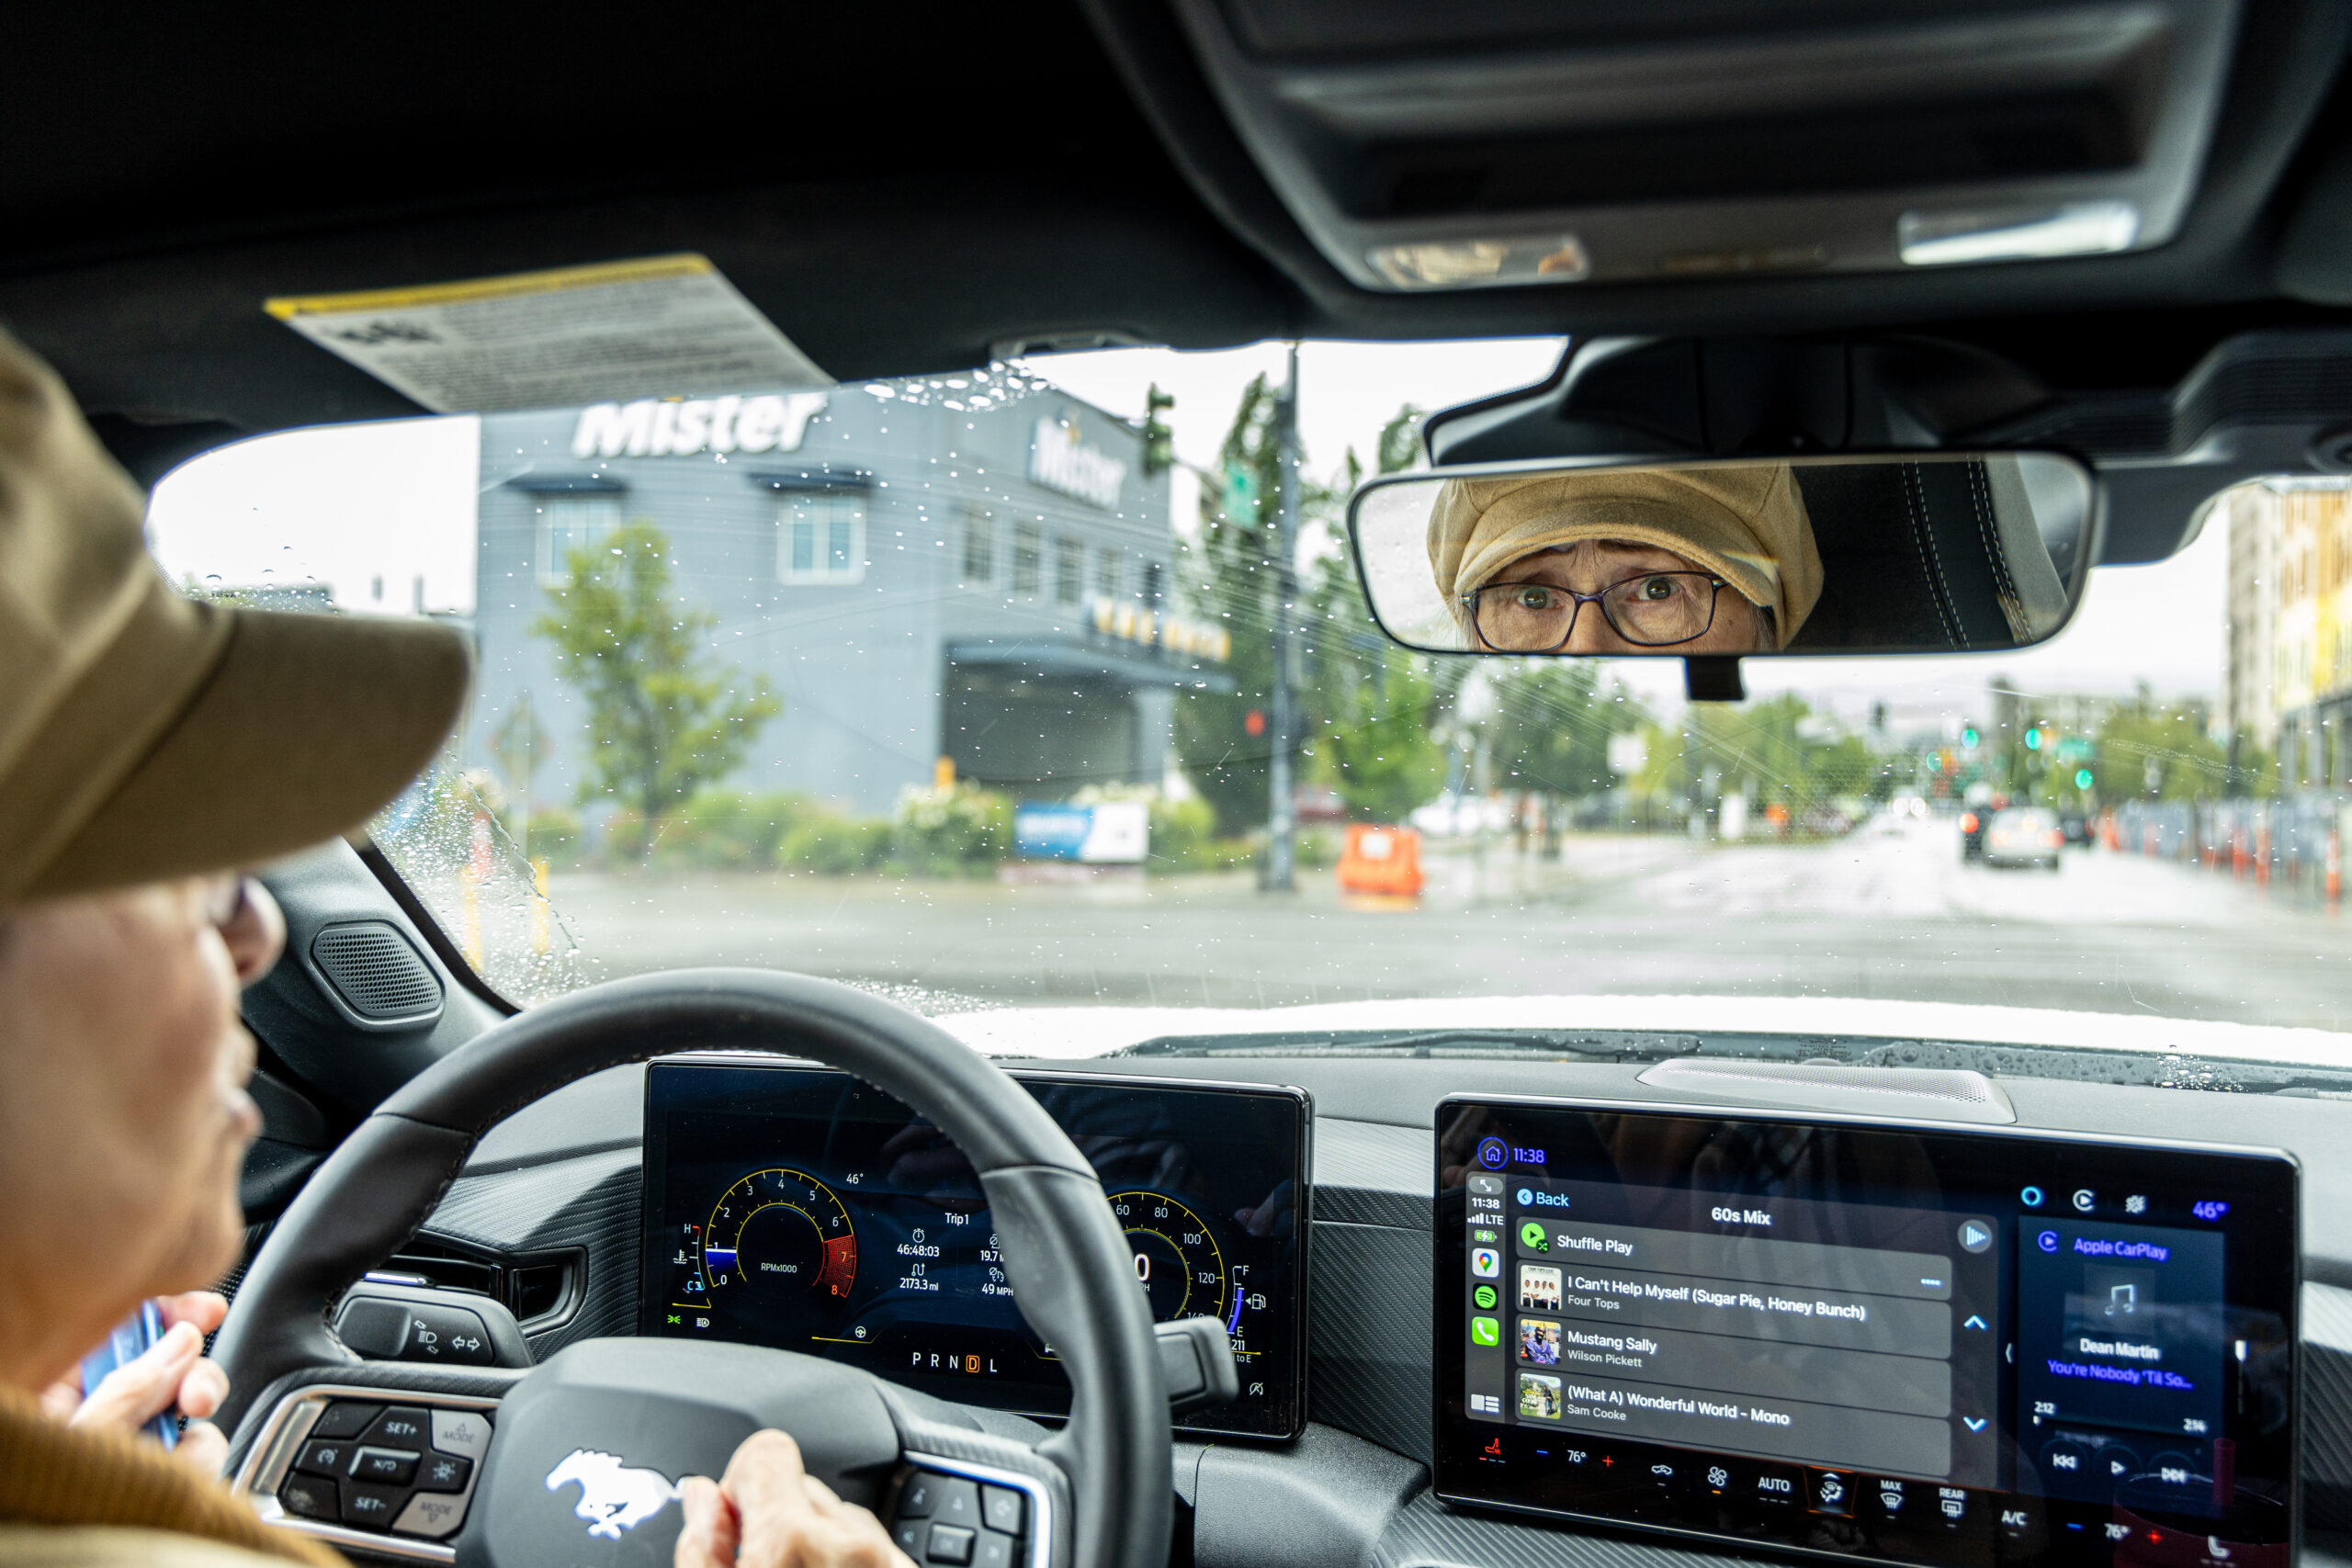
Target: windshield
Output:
[(964, 688)]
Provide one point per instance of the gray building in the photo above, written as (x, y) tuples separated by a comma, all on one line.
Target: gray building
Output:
[(918, 575)]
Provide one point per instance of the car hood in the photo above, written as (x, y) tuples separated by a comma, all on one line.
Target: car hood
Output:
[(1081, 1032)]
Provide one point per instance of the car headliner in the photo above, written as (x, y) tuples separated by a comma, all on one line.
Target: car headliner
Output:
[(901, 193)]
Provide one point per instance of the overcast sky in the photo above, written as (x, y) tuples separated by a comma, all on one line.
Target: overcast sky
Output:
[(370, 509)]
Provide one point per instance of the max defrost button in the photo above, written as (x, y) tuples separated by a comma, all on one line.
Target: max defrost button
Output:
[(443, 1472)]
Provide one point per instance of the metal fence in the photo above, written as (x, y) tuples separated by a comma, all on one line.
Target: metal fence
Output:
[(2295, 842)]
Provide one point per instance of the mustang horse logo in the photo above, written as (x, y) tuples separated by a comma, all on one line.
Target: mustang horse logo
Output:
[(613, 1496)]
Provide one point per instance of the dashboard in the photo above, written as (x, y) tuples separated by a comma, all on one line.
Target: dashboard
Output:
[(1366, 1482)]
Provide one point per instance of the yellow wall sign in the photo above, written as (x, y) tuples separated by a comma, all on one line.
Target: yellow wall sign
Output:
[(1130, 621)]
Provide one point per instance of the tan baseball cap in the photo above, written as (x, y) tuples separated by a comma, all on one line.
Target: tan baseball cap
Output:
[(144, 734)]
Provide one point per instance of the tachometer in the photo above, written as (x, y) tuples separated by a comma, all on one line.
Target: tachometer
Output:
[(1176, 1258), (781, 1232)]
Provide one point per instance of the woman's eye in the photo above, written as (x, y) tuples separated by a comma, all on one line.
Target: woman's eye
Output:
[(1658, 588), (1533, 596)]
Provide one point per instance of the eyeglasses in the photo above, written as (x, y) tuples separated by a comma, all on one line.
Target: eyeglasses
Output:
[(1657, 609), (227, 899)]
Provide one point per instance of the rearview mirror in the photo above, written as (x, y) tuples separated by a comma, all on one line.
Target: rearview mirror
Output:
[(1932, 553)]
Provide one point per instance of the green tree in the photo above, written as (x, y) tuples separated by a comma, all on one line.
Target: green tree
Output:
[(2148, 750), (1400, 440), (663, 721), (1551, 724), (1375, 747)]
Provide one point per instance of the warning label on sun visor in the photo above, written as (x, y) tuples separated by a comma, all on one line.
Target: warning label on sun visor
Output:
[(662, 326)]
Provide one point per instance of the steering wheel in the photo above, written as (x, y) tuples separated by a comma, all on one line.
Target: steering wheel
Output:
[(626, 1418)]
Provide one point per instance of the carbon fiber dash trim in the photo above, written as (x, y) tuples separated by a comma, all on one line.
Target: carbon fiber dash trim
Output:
[(591, 1202), (1368, 1334), (2328, 1405), (1428, 1534)]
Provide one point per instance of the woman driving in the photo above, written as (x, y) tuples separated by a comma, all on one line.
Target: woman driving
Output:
[(150, 747), (1717, 560)]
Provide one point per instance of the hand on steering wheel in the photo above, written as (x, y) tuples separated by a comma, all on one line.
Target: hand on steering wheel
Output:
[(767, 1511)]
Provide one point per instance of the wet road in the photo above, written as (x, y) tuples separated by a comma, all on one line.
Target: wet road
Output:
[(1888, 912)]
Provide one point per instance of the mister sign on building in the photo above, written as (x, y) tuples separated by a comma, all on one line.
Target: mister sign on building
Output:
[(918, 570)]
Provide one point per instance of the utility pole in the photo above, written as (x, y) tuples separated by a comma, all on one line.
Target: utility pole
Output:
[(1281, 823)]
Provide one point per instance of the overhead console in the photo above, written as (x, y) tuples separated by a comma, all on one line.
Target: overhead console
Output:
[(798, 1207), (1869, 1340), (1428, 148)]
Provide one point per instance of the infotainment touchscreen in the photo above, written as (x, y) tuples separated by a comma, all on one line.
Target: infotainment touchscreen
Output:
[(798, 1207), (1867, 1340)]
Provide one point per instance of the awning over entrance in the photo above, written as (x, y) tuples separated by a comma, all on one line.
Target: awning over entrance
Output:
[(1061, 655)]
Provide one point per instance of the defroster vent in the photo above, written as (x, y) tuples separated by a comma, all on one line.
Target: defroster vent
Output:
[(375, 976)]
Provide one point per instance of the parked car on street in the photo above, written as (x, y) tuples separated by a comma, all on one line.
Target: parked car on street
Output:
[(2025, 835)]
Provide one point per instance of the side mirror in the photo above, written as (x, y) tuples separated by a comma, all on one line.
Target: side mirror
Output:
[(1709, 562)]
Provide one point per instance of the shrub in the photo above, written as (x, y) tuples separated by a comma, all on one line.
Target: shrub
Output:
[(831, 845), (720, 830), (1183, 835), (966, 830)]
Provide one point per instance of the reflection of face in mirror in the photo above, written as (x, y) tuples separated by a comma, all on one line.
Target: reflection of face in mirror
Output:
[(1916, 554), (1614, 561)]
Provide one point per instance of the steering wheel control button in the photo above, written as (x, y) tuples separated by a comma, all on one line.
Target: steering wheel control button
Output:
[(386, 1467), (907, 1536), (401, 1426), (344, 1420), (959, 1504), (950, 1544), (919, 1496), (443, 1472), (323, 1458), (309, 1497), (429, 1515), (370, 1508), (994, 1551), (465, 1432), (1001, 1508)]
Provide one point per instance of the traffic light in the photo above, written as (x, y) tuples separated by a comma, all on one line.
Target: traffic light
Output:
[(2082, 778), (1968, 738), (1159, 441), (2033, 738)]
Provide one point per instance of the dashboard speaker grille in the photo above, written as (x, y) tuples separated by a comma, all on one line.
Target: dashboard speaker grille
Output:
[(1946, 1094), (375, 974)]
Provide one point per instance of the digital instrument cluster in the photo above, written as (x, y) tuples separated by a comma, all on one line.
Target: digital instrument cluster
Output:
[(798, 1207), (1923, 1347)]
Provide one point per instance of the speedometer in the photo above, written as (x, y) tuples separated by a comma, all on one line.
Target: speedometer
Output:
[(782, 1233), (1176, 1258)]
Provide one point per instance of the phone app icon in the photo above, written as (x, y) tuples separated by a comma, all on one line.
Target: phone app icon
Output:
[(1484, 1297), (1486, 1331), (1485, 1262), (1530, 1236)]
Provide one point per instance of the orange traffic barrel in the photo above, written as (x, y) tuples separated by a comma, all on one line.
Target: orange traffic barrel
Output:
[(1381, 860)]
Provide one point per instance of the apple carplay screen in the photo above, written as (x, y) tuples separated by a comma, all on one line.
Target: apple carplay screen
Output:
[(798, 1207), (1924, 1347)]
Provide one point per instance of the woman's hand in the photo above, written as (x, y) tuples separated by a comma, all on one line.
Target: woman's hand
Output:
[(767, 1511), (172, 1377)]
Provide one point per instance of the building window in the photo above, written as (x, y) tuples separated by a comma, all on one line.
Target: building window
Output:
[(569, 523), (1153, 576), (821, 537), (1069, 571), (1028, 557), (1110, 572), (979, 548)]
